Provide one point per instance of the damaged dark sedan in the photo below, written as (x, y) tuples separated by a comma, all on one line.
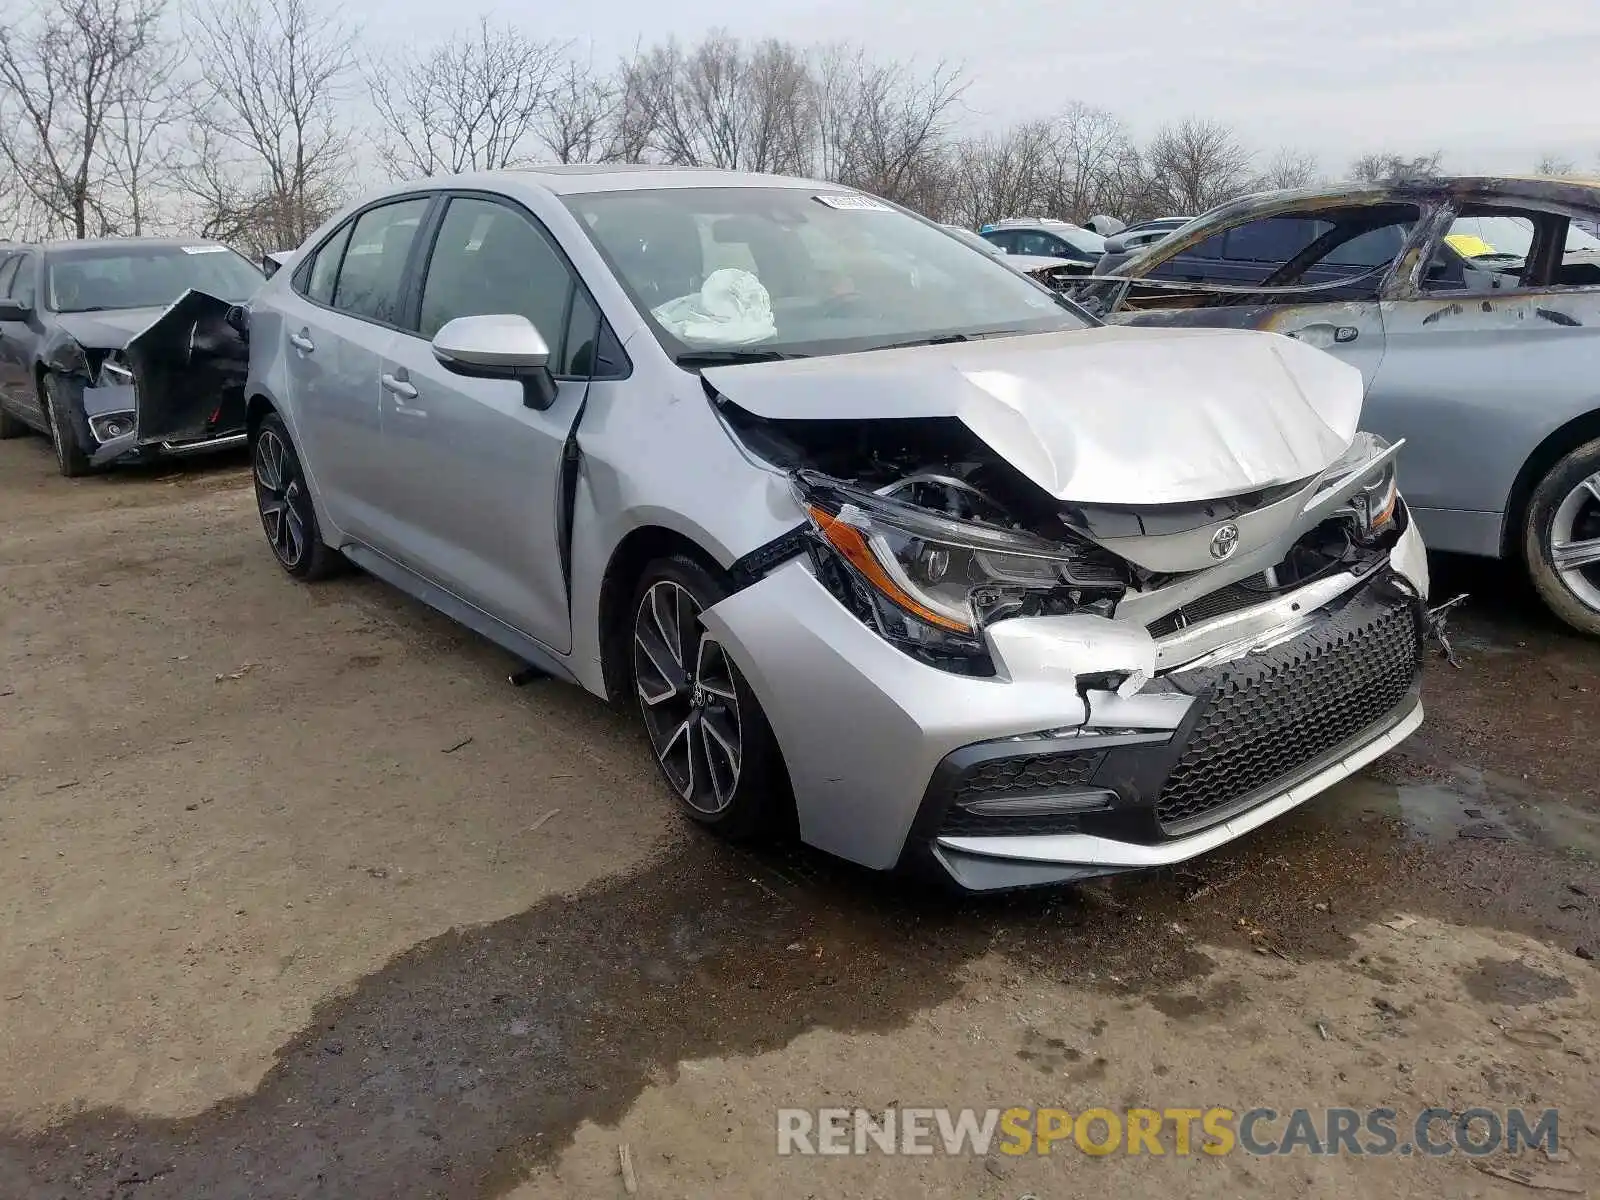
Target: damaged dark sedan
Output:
[(124, 348)]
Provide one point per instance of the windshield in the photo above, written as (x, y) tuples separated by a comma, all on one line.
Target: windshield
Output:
[(775, 272), (1085, 240), (1506, 237), (975, 240), (145, 276)]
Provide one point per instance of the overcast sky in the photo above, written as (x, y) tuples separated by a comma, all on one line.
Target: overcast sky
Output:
[(1495, 83)]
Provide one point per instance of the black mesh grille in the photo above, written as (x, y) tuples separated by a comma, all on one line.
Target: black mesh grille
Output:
[(1273, 714), (1025, 776), (1029, 776), (1224, 600)]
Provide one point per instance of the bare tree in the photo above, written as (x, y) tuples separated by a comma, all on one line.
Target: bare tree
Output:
[(1195, 165), (1556, 165), (139, 157), (899, 126), (724, 104), (1092, 165), (580, 120), (1388, 167), (63, 75), (276, 73), (1289, 168), (475, 103)]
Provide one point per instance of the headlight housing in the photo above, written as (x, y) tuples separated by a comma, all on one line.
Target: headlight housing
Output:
[(1374, 504), (929, 584)]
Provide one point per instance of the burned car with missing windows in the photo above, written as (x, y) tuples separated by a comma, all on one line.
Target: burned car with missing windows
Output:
[(881, 540), (1470, 306), (124, 348)]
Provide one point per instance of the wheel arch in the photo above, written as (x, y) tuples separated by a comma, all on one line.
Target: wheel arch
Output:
[(256, 407), (1557, 445), (637, 549)]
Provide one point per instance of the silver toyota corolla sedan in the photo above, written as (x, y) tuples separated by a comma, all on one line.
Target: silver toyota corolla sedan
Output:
[(879, 537)]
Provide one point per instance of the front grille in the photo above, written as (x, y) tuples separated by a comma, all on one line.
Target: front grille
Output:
[(1218, 603), (1032, 775), (1274, 714)]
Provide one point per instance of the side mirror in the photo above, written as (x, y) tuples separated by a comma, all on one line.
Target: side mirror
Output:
[(273, 261), (1116, 245), (499, 346), (10, 310)]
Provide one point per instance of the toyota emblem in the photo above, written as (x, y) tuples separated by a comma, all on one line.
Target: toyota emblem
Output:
[(1225, 540)]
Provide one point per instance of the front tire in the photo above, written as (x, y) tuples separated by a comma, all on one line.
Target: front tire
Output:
[(283, 498), (1561, 539), (60, 410), (709, 736)]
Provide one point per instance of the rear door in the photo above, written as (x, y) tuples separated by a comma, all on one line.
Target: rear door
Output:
[(478, 473), (340, 318)]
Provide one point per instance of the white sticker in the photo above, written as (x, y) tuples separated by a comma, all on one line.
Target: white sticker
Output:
[(853, 201), (205, 249)]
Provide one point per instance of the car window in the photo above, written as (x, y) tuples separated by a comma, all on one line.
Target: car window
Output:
[(1004, 241), (372, 275), (1040, 244), (1215, 246), (325, 266), (8, 275), (490, 258), (1273, 239), (22, 288), (1371, 249)]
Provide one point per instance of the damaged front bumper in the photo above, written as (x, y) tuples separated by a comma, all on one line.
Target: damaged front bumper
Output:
[(176, 388), (1041, 774)]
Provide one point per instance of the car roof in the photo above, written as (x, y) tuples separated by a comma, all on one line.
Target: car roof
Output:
[(580, 178)]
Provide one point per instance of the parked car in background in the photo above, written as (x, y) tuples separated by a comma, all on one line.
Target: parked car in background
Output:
[(1052, 272), (876, 536), (83, 323), (1122, 246), (1047, 238), (1471, 307)]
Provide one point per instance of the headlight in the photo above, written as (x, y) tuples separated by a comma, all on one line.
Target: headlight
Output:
[(1374, 504), (930, 584)]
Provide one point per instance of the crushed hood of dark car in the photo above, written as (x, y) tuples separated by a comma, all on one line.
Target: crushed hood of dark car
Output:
[(1110, 416)]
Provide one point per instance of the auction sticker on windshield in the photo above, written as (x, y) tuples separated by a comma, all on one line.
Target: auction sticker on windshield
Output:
[(853, 202), (205, 249)]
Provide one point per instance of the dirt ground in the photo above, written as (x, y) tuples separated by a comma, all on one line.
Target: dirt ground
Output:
[(300, 898)]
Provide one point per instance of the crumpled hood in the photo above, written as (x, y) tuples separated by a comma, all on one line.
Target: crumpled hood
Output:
[(1119, 416), (109, 330)]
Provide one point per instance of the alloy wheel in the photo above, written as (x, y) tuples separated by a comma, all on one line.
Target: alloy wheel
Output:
[(1575, 541), (281, 497), (688, 698)]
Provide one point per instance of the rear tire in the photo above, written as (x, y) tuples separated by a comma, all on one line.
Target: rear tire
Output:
[(61, 414), (711, 740), (283, 498), (1564, 513)]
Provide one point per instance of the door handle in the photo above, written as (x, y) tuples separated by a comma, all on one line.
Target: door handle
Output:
[(302, 342), (1346, 333), (398, 387)]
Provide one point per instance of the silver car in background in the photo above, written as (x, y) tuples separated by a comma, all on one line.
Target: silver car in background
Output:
[(880, 538)]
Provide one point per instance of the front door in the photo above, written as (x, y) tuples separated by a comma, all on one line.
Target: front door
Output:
[(477, 472)]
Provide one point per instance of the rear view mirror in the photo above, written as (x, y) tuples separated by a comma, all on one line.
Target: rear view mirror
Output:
[(498, 346), (12, 311)]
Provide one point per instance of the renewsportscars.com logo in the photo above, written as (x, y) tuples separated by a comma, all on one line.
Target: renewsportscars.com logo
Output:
[(1177, 1131)]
